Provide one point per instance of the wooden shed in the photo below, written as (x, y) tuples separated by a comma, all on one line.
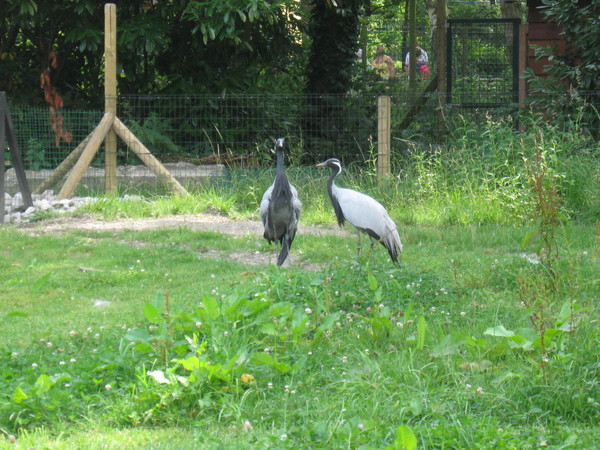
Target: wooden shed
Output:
[(539, 31)]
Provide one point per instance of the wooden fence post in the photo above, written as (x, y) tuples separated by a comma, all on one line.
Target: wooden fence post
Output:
[(2, 168), (7, 130), (384, 111), (86, 156), (110, 95)]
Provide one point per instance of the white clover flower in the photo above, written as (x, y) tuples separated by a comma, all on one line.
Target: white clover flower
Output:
[(308, 311), (108, 387)]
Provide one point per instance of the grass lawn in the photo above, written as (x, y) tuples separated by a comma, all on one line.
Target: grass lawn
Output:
[(152, 339)]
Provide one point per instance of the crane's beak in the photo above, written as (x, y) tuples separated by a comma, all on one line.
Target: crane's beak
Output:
[(323, 164)]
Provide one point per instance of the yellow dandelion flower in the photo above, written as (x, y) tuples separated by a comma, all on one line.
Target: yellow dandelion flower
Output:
[(247, 378)]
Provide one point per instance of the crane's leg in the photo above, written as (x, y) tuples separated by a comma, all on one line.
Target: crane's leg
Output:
[(358, 246)]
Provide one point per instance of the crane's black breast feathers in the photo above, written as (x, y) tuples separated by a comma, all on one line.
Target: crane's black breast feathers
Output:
[(370, 233), (338, 210)]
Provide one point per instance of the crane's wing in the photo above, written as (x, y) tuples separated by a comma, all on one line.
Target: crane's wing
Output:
[(264, 204), (296, 203), (368, 215)]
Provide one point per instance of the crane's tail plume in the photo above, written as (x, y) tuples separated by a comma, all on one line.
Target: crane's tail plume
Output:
[(285, 250), (391, 241)]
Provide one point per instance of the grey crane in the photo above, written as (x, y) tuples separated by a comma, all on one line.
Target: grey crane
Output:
[(280, 208), (364, 212)]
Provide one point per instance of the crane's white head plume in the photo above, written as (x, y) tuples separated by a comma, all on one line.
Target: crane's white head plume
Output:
[(334, 163)]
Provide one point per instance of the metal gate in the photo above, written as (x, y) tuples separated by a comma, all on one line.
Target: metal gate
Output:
[(483, 62)]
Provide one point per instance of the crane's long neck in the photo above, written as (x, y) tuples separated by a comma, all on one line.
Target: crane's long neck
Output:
[(281, 181), (331, 187), (280, 168), (330, 183)]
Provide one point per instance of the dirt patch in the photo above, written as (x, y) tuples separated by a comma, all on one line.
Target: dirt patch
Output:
[(203, 222), (200, 222)]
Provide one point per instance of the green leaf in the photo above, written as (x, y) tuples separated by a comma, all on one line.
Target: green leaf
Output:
[(499, 331), (268, 360), (327, 323), (405, 439), (152, 313), (19, 396), (138, 335), (373, 284), (17, 314), (192, 363), (269, 329), (39, 284), (44, 383), (143, 347), (448, 346), (211, 307)]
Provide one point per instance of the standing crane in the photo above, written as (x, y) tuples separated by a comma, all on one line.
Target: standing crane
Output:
[(280, 208), (364, 212)]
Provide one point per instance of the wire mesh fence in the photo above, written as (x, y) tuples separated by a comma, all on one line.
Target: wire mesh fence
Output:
[(196, 138), (482, 61)]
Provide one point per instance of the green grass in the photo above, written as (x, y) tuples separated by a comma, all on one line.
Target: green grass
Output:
[(479, 338), (354, 384)]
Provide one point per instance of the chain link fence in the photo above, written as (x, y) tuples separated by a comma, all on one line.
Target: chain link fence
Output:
[(199, 137)]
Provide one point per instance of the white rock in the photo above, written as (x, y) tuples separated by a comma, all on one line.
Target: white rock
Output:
[(29, 210), (17, 201), (48, 194), (101, 303), (44, 204)]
